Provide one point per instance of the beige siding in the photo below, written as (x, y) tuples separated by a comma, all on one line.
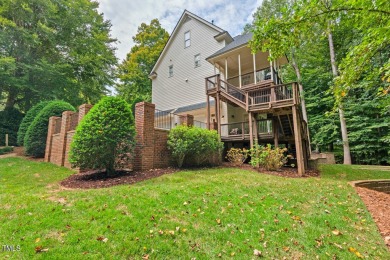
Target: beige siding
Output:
[(174, 92)]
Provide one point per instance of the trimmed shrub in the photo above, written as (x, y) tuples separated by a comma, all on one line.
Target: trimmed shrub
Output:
[(268, 158), (194, 145), (10, 119), (36, 135), (5, 150), (104, 139), (28, 119), (237, 156)]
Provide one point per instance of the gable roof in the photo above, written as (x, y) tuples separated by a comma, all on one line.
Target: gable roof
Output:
[(182, 19), (238, 41)]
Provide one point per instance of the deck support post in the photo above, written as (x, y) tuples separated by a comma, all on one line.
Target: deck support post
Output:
[(254, 68), (250, 130), (298, 141), (255, 130), (239, 70), (217, 105), (275, 129), (208, 112), (226, 70)]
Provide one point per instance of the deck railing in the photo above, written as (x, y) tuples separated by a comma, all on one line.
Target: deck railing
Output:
[(200, 124), (264, 126), (165, 119), (275, 93)]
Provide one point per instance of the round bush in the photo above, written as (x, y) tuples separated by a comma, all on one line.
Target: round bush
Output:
[(104, 139), (28, 119), (36, 135), (10, 119)]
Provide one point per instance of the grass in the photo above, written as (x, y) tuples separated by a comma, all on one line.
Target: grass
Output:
[(202, 214)]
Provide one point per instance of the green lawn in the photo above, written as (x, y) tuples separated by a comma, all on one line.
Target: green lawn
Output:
[(200, 214)]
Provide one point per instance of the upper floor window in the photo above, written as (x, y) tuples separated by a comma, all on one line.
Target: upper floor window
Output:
[(197, 60), (187, 39), (170, 71)]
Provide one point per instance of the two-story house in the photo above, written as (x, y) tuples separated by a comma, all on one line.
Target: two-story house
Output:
[(205, 72)]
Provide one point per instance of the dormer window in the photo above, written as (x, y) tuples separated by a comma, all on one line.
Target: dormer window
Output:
[(187, 39)]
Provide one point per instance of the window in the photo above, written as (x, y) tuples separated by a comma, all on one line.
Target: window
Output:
[(187, 39), (197, 60), (170, 71)]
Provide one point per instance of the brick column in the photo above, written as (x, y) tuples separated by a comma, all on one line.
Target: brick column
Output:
[(187, 120), (49, 139), (65, 126), (144, 126), (83, 110)]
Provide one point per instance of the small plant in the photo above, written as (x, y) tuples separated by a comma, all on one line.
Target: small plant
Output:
[(104, 139), (237, 156), (178, 144), (268, 158)]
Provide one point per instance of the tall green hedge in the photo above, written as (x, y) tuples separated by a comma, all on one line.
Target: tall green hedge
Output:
[(28, 119), (104, 139), (35, 138), (10, 119)]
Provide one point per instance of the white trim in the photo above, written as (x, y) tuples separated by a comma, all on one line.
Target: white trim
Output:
[(254, 68), (239, 70)]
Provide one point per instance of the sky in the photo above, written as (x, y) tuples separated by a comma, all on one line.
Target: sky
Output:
[(127, 15)]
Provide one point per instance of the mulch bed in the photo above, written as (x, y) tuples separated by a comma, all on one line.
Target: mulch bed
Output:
[(378, 203), (288, 172), (99, 179)]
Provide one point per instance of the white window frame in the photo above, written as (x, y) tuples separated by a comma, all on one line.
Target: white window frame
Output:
[(187, 41), (170, 71), (197, 60)]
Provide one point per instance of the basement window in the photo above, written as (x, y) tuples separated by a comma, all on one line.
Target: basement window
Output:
[(170, 71), (197, 60)]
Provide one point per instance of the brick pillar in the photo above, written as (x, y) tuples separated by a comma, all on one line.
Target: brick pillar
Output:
[(49, 139), (144, 126), (187, 120), (83, 110), (65, 127)]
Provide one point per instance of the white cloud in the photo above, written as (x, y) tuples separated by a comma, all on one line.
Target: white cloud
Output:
[(127, 15)]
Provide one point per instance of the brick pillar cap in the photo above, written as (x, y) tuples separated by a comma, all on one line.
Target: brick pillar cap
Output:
[(67, 113), (144, 103), (86, 106)]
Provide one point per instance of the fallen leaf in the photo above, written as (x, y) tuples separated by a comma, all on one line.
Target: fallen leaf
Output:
[(218, 221), (37, 240), (145, 257), (336, 232), (40, 249), (257, 253), (286, 248), (354, 250)]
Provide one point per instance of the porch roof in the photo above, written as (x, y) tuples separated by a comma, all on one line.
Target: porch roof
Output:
[(238, 41)]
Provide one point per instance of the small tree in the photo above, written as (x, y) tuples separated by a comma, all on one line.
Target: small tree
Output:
[(104, 139), (28, 119), (36, 135)]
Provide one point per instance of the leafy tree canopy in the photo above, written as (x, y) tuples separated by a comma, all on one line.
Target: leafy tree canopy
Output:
[(134, 70), (53, 49)]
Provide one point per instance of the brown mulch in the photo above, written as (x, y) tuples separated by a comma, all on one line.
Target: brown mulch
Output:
[(378, 203), (288, 172), (99, 179)]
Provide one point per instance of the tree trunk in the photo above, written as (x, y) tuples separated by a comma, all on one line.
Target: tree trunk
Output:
[(343, 124), (11, 99), (303, 103)]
